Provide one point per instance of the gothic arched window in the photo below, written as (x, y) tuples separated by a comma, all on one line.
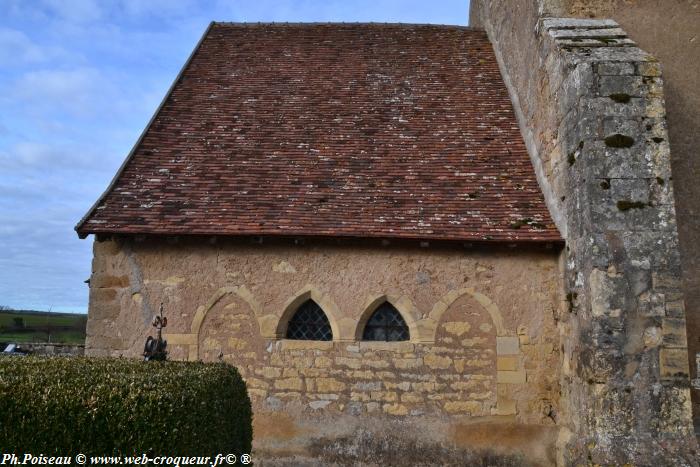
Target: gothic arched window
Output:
[(309, 323), (386, 324)]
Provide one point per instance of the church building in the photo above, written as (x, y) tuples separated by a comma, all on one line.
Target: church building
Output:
[(352, 216)]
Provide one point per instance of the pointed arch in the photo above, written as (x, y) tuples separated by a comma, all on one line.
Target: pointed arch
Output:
[(241, 291), (308, 293), (448, 299), (403, 305), (310, 323), (191, 339)]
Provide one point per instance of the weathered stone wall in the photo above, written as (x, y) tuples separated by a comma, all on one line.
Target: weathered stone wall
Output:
[(480, 367), (591, 109), (43, 348), (670, 30)]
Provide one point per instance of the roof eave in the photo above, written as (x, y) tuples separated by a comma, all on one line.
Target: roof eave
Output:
[(83, 233)]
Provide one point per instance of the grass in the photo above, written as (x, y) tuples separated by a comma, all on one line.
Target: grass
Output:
[(39, 326)]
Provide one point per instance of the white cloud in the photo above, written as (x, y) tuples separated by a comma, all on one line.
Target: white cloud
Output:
[(80, 11), (17, 49), (59, 85), (160, 8), (42, 161)]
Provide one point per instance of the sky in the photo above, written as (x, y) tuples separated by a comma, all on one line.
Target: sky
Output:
[(79, 80)]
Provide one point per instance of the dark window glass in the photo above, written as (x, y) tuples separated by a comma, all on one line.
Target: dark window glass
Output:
[(309, 323), (386, 324)]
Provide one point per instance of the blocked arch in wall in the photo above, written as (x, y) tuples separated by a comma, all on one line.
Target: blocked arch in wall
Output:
[(191, 339), (449, 298)]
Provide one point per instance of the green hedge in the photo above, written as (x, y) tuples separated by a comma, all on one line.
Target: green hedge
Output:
[(106, 406)]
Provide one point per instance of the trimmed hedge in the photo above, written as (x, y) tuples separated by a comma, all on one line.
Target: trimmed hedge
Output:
[(101, 406)]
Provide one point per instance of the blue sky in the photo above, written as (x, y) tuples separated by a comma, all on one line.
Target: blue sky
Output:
[(79, 80)]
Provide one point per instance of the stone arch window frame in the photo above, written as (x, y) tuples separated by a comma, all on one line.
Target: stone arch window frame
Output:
[(403, 305), (309, 323), (292, 305)]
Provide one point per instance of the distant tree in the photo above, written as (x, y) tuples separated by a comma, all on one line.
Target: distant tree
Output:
[(5, 308), (19, 322)]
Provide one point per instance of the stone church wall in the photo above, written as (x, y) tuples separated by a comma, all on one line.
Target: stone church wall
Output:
[(592, 112), (480, 371)]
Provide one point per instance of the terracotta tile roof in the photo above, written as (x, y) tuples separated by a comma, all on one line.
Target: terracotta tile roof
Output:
[(360, 130)]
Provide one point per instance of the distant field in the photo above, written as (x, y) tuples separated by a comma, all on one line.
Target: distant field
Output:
[(41, 326)]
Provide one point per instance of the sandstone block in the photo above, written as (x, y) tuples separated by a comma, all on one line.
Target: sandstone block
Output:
[(507, 363), (353, 363), (363, 374), (469, 407), (507, 345), (236, 344), (290, 344), (256, 383), (388, 396), (436, 361), (359, 396), (424, 386), (395, 409), (271, 372), (457, 328), (329, 385), (295, 384), (411, 398), (408, 363), (323, 362), (464, 385), (376, 363), (511, 377), (403, 386), (506, 407)]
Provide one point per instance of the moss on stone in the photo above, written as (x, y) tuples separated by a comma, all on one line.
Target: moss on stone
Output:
[(570, 299), (620, 98), (625, 205), (606, 40), (619, 141)]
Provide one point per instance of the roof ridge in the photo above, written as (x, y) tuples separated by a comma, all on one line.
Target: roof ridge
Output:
[(341, 23)]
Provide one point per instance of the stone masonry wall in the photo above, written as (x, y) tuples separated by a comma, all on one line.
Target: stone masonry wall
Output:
[(669, 30), (591, 109), (480, 363)]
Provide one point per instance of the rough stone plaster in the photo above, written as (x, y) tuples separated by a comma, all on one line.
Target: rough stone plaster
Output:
[(563, 107), (486, 368)]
